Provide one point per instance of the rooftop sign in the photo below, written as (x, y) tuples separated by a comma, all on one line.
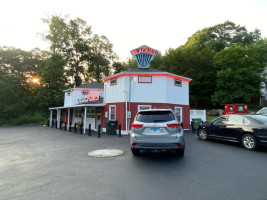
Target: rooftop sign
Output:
[(143, 55)]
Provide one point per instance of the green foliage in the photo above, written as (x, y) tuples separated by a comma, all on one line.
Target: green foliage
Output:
[(119, 67), (103, 55), (238, 74), (156, 63), (53, 83), (17, 68), (73, 51), (224, 61), (133, 63), (89, 56), (12, 97), (223, 35), (196, 64), (28, 118)]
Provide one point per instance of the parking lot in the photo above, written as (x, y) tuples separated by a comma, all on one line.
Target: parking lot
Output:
[(45, 163)]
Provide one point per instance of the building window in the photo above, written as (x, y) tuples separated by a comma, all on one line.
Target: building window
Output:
[(178, 111), (177, 82), (78, 113), (113, 82), (143, 107), (144, 79), (112, 113), (90, 113)]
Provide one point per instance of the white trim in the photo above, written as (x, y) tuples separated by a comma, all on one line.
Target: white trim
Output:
[(78, 106), (181, 113), (141, 73), (123, 132), (84, 120), (67, 90), (58, 118), (109, 116), (51, 118)]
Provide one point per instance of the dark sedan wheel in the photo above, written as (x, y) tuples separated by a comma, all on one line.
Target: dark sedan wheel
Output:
[(249, 142), (135, 152), (202, 134)]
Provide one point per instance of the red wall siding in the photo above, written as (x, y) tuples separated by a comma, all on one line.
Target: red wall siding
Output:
[(120, 112), (65, 115)]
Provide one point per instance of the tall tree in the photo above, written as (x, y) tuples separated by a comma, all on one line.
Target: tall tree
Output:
[(17, 92), (157, 61), (196, 58), (223, 35), (99, 65), (54, 81), (239, 74), (119, 67), (196, 64), (86, 55)]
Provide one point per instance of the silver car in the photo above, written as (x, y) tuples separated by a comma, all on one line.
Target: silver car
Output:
[(157, 130)]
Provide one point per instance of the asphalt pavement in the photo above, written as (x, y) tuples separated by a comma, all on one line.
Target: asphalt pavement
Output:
[(46, 163)]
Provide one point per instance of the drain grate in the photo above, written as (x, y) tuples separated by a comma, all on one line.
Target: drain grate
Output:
[(103, 153)]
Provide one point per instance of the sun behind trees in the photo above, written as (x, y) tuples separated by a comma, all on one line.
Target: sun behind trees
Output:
[(74, 52), (225, 63)]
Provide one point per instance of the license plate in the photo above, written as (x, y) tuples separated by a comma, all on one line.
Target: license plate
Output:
[(154, 129)]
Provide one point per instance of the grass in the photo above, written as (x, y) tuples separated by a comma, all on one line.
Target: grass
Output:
[(36, 118)]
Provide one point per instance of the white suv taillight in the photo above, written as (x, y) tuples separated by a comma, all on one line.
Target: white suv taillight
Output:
[(172, 125), (137, 125)]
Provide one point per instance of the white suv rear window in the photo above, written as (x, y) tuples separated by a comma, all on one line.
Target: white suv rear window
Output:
[(155, 116)]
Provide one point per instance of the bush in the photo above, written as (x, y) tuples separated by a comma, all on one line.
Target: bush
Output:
[(28, 118)]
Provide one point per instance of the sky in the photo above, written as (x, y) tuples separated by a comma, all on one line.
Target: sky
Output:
[(160, 24)]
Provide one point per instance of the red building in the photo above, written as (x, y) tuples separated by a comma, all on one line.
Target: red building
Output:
[(122, 95)]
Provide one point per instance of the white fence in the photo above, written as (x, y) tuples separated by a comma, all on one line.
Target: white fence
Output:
[(198, 114)]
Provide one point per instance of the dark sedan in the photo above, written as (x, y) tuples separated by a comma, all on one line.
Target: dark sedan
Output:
[(249, 130)]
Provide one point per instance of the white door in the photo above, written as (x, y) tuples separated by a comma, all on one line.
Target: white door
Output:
[(91, 118)]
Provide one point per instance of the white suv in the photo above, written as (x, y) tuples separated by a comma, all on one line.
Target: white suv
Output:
[(157, 129)]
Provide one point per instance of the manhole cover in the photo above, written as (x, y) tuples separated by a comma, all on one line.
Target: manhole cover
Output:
[(105, 153)]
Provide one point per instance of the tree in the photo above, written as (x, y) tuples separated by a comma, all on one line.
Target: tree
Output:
[(195, 59), (17, 92), (119, 67), (238, 74), (102, 56), (54, 81), (196, 64), (86, 55), (223, 35), (157, 61)]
